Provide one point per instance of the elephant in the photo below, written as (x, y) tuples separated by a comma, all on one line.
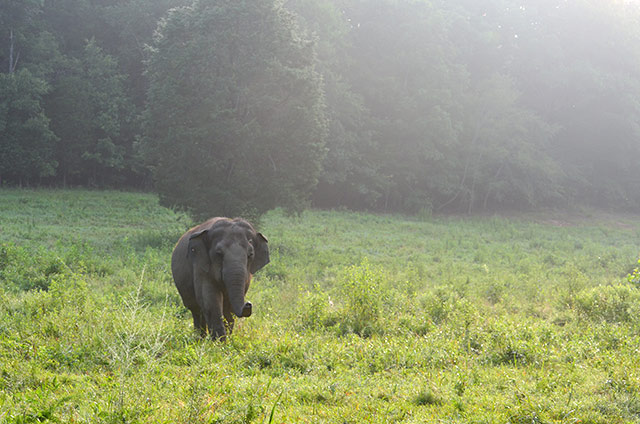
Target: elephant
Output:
[(212, 265)]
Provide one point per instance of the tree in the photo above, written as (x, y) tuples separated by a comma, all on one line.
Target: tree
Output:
[(26, 153), (16, 21), (503, 152), (127, 28), (407, 71), (350, 174), (26, 148), (88, 106), (576, 66), (235, 121)]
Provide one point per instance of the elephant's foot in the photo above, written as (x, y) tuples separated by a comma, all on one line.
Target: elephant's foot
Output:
[(247, 309)]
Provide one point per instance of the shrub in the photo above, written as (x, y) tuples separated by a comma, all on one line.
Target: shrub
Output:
[(513, 342), (358, 303), (316, 310), (616, 303), (445, 304), (363, 290), (23, 269), (438, 304), (426, 398)]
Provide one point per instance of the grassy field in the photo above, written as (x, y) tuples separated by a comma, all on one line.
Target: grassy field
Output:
[(358, 318)]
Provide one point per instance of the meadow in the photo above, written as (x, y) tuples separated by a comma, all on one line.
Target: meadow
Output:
[(358, 318)]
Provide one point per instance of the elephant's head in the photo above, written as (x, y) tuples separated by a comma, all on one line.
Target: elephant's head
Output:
[(229, 252)]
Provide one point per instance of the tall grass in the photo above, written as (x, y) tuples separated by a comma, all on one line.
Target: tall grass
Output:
[(359, 318)]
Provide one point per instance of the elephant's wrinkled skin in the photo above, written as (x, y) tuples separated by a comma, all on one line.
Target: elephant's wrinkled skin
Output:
[(212, 265)]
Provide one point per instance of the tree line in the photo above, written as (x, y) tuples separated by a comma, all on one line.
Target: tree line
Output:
[(239, 106)]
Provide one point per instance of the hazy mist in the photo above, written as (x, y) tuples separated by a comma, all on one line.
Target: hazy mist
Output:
[(411, 106)]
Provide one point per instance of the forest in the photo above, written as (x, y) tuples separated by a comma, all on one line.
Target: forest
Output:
[(240, 106)]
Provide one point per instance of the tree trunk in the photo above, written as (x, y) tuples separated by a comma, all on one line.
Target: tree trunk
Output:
[(10, 49), (495, 177), (12, 63), (470, 153), (472, 192)]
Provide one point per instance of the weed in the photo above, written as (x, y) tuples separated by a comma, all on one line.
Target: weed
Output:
[(363, 288), (317, 310), (427, 397), (634, 276)]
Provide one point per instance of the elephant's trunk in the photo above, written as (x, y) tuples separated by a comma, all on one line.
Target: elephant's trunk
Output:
[(235, 279)]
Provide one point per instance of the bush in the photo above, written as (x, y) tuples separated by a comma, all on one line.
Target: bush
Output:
[(22, 269), (316, 310), (358, 303), (617, 303), (363, 290), (511, 343), (438, 304)]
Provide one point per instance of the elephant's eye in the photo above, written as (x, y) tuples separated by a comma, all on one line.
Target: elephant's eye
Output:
[(250, 253)]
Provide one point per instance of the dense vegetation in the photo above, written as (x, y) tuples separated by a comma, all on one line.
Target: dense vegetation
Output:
[(426, 105), (359, 318), (234, 121)]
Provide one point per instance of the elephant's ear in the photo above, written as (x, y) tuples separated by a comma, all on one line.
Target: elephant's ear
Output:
[(198, 252), (261, 250)]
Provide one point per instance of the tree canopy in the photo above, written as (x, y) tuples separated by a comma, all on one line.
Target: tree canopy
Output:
[(235, 119), (240, 106)]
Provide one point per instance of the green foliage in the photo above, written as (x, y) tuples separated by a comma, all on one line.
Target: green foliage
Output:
[(440, 304), (616, 303), (427, 398), (89, 108), (416, 107), (316, 310), (27, 151), (79, 126), (20, 269), (240, 129), (363, 291), (358, 307), (350, 169)]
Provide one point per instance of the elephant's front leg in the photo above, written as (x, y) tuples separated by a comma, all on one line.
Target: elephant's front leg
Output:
[(212, 309), (199, 322)]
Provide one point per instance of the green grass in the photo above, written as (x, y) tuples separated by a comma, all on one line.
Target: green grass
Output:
[(358, 318)]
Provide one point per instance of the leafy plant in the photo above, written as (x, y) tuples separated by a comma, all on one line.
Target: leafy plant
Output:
[(29, 269), (362, 288), (317, 310), (614, 303)]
